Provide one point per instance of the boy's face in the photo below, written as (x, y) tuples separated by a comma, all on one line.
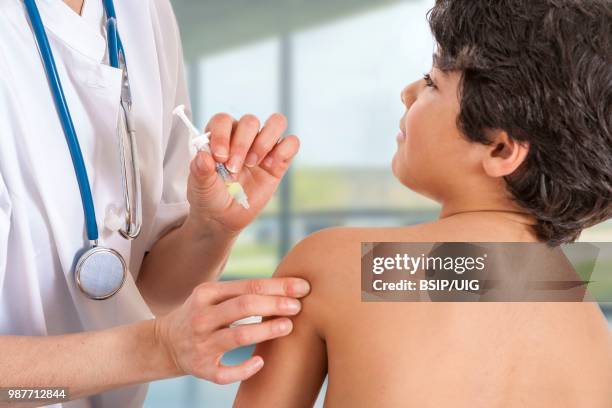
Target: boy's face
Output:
[(432, 157)]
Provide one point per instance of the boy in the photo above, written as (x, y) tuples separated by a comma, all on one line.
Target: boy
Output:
[(511, 132)]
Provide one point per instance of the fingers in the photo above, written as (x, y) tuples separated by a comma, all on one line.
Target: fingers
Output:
[(220, 127), (254, 305), (246, 131), (279, 159), (228, 339), (203, 168), (240, 143), (216, 292), (230, 374), (232, 338), (272, 131)]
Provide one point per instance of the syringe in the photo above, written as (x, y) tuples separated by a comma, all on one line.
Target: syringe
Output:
[(201, 141)]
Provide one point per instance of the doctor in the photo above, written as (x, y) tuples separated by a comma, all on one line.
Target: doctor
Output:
[(170, 317)]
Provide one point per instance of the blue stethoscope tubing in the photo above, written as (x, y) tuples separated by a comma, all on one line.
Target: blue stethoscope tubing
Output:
[(65, 118), (94, 259), (114, 44)]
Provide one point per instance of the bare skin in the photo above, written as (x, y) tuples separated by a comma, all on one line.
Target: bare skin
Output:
[(76, 5), (427, 354), (433, 354)]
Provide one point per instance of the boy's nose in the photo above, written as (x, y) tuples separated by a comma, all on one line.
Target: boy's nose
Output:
[(409, 93)]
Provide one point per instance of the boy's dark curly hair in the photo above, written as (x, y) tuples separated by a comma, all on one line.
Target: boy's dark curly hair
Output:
[(541, 70)]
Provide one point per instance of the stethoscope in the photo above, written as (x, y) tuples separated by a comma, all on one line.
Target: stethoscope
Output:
[(99, 271)]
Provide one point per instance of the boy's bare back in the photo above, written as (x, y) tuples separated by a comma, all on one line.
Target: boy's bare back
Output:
[(428, 354)]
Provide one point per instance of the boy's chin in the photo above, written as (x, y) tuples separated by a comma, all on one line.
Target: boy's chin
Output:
[(406, 177), (402, 175), (395, 167)]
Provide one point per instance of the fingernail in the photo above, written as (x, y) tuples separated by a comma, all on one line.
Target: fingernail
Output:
[(268, 161), (301, 288), (258, 363), (251, 160), (284, 326), (221, 152), (234, 164), (200, 163), (293, 305)]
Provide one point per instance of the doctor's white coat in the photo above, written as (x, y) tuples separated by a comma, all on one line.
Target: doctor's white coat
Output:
[(41, 217)]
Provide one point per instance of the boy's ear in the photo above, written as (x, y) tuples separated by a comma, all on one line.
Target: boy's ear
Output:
[(504, 155)]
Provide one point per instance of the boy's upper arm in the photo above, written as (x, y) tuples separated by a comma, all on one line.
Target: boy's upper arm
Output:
[(295, 365)]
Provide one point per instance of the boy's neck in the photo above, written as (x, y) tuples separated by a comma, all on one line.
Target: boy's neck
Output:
[(484, 197), (504, 209)]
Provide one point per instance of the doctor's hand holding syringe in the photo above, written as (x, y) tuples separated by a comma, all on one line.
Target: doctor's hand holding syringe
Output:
[(200, 141), (233, 189)]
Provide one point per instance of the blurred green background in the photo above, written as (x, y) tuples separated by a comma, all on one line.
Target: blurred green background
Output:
[(335, 68)]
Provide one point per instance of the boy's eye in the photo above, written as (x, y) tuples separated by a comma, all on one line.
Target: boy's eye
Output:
[(428, 81)]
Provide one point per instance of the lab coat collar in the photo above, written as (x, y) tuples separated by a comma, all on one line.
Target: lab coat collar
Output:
[(80, 33)]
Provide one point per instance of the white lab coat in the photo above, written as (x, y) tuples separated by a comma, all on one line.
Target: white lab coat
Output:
[(42, 225)]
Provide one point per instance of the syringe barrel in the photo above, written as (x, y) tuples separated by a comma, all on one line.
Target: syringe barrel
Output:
[(223, 172)]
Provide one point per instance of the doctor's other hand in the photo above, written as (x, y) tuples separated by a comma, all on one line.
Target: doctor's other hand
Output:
[(257, 157), (197, 334)]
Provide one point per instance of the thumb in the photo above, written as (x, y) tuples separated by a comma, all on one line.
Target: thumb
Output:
[(203, 170)]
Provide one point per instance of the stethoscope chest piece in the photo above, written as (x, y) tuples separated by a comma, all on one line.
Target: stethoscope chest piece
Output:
[(100, 272)]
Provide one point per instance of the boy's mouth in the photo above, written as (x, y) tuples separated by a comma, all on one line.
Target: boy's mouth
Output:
[(401, 136)]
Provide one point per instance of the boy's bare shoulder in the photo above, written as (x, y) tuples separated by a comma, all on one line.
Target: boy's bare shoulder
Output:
[(337, 250), (340, 243), (332, 257), (331, 261)]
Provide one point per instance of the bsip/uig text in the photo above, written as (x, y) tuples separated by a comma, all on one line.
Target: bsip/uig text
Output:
[(411, 264)]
